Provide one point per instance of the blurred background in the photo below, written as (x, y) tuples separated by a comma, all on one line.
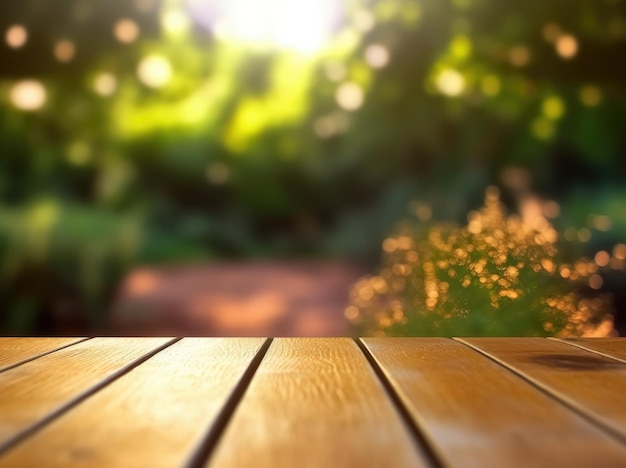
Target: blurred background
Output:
[(327, 167)]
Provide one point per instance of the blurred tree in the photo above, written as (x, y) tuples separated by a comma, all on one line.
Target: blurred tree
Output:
[(165, 113)]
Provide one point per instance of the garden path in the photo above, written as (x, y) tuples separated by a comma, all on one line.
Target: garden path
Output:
[(266, 298)]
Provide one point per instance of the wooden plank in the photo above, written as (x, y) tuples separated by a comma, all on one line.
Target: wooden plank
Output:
[(475, 413), (15, 351), (37, 391), (316, 402), (590, 383), (155, 415), (612, 347)]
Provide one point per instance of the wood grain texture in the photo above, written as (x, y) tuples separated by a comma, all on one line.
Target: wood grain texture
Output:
[(14, 351), (592, 384), (154, 416), (316, 402), (612, 347), (475, 413), (41, 388)]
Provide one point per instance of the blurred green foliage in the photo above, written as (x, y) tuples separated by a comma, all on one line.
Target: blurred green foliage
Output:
[(161, 141)]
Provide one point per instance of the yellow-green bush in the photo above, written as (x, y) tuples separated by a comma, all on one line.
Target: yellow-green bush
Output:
[(496, 276)]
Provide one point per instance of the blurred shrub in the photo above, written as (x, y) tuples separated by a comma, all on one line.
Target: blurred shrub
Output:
[(497, 276), (59, 263)]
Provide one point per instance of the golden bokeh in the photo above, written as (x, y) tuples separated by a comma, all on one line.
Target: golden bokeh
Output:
[(16, 36), (433, 281), (567, 46)]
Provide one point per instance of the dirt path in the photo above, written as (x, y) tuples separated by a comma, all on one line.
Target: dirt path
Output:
[(237, 299)]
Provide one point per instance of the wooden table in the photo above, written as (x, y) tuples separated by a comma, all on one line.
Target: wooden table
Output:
[(293, 402)]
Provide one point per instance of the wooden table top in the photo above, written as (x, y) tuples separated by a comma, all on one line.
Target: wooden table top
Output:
[(318, 402)]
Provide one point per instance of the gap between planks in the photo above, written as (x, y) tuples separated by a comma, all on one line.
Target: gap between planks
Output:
[(552, 393), (585, 348), (45, 353), (314, 402), (202, 454), (411, 424), (44, 421)]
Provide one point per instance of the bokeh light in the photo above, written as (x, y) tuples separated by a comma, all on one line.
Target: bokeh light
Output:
[(590, 96), (567, 46), (450, 82), (364, 20), (595, 281), (64, 50), (79, 153), (602, 258), (145, 6), (126, 31), (105, 84), (335, 71), (584, 235), (28, 95), (16, 36), (218, 173), (543, 128), (154, 71), (551, 32), (331, 124), (349, 96), (553, 107), (491, 85), (175, 22), (519, 56), (376, 55)]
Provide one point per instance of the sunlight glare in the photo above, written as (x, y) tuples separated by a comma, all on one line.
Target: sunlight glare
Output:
[(300, 25)]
